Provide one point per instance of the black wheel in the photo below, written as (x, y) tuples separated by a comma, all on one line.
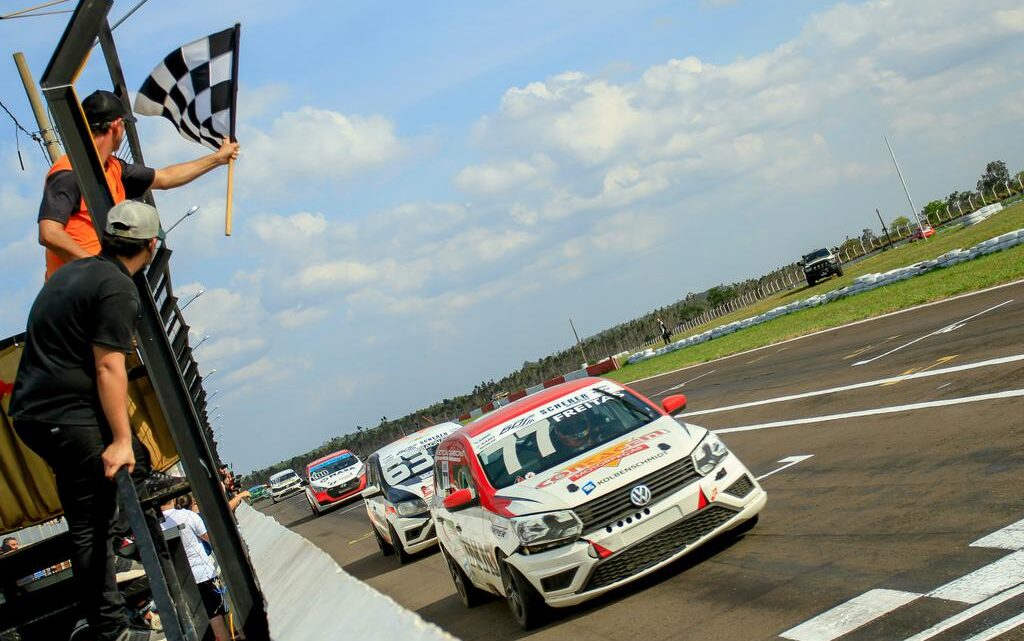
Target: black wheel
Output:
[(839, 271), (403, 556), (811, 282), (745, 526), (312, 508), (471, 595), (527, 606), (385, 547)]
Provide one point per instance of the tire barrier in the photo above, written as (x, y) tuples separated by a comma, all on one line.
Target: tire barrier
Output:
[(859, 284), (981, 214), (304, 589)]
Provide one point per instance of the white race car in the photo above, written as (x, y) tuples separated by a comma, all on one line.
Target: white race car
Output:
[(400, 482), (283, 484), (578, 489)]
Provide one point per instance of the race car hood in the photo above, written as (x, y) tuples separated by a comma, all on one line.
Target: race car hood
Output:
[(605, 468), (338, 478), (420, 487)]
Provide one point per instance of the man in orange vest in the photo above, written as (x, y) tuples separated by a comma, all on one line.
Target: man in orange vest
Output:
[(65, 227)]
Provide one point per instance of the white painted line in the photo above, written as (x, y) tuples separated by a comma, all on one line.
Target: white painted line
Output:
[(966, 615), (999, 628), (789, 461), (943, 385), (881, 410), (984, 582), (845, 388), (948, 328), (675, 387), (354, 507), (849, 616), (833, 329), (1010, 537)]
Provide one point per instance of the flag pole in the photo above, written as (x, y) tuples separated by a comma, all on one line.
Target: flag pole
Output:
[(234, 111)]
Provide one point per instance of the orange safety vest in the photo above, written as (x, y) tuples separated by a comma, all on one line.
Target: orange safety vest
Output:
[(79, 225)]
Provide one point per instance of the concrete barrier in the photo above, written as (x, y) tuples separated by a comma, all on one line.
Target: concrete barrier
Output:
[(860, 284), (309, 597)]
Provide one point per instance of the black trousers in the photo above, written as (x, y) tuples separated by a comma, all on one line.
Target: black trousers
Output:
[(89, 500)]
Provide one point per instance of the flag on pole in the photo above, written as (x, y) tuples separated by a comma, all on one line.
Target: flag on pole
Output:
[(195, 87)]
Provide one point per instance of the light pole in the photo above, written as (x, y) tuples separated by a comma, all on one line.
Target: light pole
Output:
[(210, 373), (188, 213), (204, 339), (191, 300), (913, 207), (215, 392)]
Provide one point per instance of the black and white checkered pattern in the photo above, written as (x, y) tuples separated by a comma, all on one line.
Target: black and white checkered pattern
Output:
[(193, 88)]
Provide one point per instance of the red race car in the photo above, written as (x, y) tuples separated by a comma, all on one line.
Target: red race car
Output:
[(922, 232)]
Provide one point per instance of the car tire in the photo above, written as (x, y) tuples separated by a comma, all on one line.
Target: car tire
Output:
[(811, 282), (470, 595), (527, 606), (385, 548), (839, 271), (403, 556), (312, 508)]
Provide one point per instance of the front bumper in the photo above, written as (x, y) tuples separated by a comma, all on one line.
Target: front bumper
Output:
[(285, 492), (417, 533), (339, 493), (673, 527)]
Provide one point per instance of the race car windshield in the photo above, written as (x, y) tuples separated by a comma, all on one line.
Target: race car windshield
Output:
[(283, 478), (821, 253), (330, 467), (601, 417)]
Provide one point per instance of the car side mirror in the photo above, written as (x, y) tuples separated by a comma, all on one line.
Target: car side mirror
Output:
[(370, 492), (674, 403), (460, 500)]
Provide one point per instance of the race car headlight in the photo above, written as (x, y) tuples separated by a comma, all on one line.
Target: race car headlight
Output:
[(709, 454), (411, 508), (539, 532)]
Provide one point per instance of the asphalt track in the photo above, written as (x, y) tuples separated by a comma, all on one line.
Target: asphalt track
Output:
[(913, 428)]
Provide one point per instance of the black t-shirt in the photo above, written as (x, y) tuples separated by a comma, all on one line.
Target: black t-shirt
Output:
[(91, 301), (62, 197)]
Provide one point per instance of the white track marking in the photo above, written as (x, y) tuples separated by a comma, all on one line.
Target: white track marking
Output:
[(881, 410), (943, 385), (675, 387), (354, 507), (845, 388), (967, 614), (984, 582), (1010, 537), (789, 461), (948, 328), (998, 629), (833, 329), (363, 537), (849, 616)]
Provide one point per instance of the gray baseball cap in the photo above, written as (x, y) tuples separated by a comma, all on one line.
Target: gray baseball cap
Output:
[(134, 219)]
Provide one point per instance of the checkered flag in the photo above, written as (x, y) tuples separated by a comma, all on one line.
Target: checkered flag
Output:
[(195, 87)]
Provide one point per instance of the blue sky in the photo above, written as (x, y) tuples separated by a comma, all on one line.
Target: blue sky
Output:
[(427, 193)]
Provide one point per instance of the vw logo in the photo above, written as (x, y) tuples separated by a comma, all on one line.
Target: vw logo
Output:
[(640, 495)]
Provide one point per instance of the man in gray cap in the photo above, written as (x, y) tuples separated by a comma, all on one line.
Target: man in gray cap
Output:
[(70, 398), (65, 228)]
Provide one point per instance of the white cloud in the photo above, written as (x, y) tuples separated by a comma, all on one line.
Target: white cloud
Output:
[(300, 316)]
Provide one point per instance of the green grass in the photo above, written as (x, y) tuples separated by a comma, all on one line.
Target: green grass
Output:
[(977, 274)]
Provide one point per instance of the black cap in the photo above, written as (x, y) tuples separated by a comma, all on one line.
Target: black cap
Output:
[(101, 107)]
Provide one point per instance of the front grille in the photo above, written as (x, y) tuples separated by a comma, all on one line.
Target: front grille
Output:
[(338, 490), (616, 505), (741, 487), (559, 581), (655, 549)]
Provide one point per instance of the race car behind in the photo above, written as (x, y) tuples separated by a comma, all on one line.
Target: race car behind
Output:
[(399, 488), (333, 480)]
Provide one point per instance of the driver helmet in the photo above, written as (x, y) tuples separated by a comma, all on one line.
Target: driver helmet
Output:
[(574, 431)]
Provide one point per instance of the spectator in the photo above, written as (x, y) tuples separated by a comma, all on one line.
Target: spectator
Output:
[(70, 400), (65, 226), (666, 335), (10, 545), (193, 534)]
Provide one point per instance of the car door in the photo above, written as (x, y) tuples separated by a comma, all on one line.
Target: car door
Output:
[(468, 524), (376, 506)]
